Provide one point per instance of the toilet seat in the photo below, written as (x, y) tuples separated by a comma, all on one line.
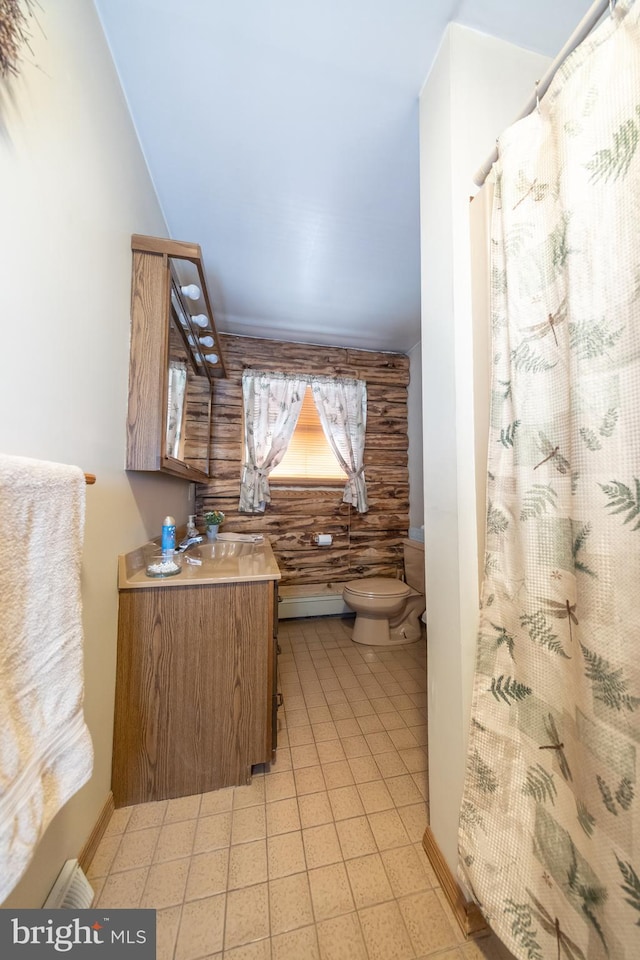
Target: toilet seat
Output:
[(378, 587)]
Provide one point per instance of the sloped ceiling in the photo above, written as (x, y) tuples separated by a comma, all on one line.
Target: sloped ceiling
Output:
[(282, 136)]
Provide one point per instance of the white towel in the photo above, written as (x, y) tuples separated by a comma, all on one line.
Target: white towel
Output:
[(45, 747)]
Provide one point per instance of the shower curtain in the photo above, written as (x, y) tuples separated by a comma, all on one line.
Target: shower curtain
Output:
[(550, 820)]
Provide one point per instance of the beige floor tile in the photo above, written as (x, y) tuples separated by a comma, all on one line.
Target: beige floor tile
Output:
[(297, 945), (290, 903), (304, 756), (201, 928), (325, 731), (118, 822), (104, 856), (292, 702), (348, 728), (362, 708), (123, 890), (217, 801), (402, 702), (379, 742), (388, 829), (136, 849), (182, 808), (297, 718), (382, 705), (212, 833), (393, 721), (337, 774), (147, 815), (309, 780), (207, 874), (421, 780), (364, 769), (299, 736), (414, 759), (279, 786), (345, 803), (282, 760), (319, 714), (335, 696), (166, 884), (375, 796), (247, 864), (421, 734), (285, 854), (414, 717), (390, 764), (260, 950), (167, 924), (330, 751), (330, 891), (340, 711), (368, 880), (314, 809), (282, 816), (250, 794), (370, 723), (356, 747), (415, 818), (408, 870), (385, 934), (340, 938), (321, 845), (356, 838), (248, 823), (426, 922), (403, 790), (247, 915), (175, 840), (315, 698)]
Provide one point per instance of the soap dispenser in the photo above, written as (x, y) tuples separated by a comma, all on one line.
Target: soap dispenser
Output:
[(192, 530)]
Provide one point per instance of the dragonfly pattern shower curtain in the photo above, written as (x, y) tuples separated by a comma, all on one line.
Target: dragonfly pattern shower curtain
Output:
[(550, 819)]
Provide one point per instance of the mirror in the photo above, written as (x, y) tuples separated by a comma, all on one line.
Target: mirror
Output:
[(172, 334)]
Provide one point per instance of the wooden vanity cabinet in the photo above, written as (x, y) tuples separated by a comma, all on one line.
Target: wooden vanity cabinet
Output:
[(195, 688)]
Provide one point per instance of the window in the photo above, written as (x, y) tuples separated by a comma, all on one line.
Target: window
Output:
[(309, 457)]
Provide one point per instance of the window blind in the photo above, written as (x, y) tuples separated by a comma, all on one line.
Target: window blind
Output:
[(309, 456)]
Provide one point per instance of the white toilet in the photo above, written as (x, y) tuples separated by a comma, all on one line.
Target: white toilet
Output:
[(388, 611)]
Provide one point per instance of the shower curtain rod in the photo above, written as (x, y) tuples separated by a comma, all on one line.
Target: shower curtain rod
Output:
[(583, 30)]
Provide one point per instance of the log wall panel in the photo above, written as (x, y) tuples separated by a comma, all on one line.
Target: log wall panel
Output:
[(363, 544)]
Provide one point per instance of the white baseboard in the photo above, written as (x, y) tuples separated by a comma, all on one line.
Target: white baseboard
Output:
[(314, 600)]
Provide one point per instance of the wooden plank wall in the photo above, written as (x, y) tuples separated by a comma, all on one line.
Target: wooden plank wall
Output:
[(364, 545)]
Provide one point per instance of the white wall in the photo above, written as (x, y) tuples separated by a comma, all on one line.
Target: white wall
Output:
[(74, 188), (475, 88), (414, 431)]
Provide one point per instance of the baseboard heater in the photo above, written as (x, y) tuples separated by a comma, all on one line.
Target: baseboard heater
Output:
[(71, 891), (311, 600)]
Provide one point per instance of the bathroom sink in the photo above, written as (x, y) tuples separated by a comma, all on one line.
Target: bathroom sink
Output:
[(220, 550)]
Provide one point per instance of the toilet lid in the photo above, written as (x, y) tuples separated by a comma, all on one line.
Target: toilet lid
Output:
[(378, 587)]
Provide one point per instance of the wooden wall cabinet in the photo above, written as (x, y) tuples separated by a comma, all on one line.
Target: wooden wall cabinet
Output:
[(196, 698), (171, 369)]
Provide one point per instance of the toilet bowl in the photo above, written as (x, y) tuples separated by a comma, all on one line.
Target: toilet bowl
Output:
[(375, 600), (388, 611)]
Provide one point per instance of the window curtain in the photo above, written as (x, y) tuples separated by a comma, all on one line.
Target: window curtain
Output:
[(342, 408), (272, 403)]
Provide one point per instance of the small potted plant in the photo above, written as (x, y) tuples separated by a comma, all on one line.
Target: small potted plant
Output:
[(212, 520)]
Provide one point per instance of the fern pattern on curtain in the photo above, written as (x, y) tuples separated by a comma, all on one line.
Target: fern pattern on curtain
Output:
[(342, 408), (272, 403), (550, 822)]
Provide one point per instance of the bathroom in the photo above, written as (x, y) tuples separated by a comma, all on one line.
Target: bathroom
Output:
[(79, 187)]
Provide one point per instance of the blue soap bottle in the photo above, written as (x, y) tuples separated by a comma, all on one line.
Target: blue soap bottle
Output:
[(168, 536)]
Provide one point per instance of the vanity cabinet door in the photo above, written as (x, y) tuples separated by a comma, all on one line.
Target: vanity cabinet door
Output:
[(193, 689)]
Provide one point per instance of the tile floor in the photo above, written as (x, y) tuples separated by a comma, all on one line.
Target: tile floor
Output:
[(320, 857)]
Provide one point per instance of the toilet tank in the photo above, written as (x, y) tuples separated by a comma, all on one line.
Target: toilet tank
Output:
[(414, 564)]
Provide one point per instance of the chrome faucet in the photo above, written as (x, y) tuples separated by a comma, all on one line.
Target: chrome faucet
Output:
[(188, 542)]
